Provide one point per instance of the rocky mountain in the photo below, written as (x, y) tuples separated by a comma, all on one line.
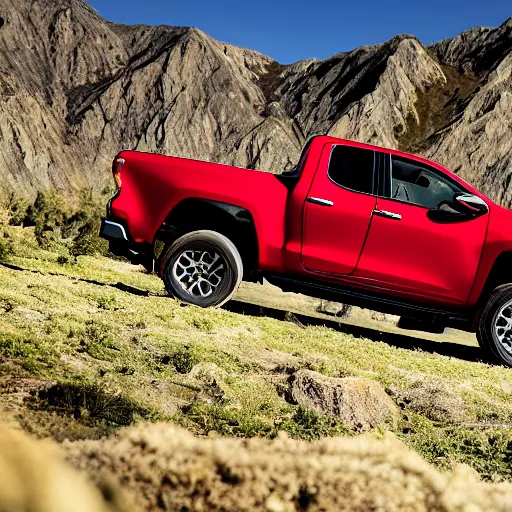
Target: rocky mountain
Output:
[(75, 89)]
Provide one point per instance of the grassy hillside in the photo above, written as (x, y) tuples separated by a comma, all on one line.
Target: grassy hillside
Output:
[(89, 344)]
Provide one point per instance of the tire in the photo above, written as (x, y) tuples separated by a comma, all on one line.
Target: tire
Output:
[(203, 268), (493, 325)]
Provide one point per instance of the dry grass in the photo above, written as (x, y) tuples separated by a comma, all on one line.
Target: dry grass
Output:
[(68, 331)]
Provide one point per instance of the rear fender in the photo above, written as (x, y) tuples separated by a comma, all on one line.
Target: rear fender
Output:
[(192, 214)]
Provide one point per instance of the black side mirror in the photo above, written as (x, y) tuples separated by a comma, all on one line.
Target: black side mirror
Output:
[(464, 207)]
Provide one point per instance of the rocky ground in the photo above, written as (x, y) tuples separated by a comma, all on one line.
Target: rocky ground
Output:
[(91, 346), (161, 467)]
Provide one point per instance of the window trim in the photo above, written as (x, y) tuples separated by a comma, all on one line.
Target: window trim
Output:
[(374, 191), (388, 170)]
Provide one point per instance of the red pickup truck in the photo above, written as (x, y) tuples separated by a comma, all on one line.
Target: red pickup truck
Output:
[(352, 223)]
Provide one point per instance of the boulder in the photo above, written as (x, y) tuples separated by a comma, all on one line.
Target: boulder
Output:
[(383, 317), (433, 399), (362, 404), (210, 378)]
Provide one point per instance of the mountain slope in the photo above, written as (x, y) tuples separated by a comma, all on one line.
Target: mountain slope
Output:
[(75, 89)]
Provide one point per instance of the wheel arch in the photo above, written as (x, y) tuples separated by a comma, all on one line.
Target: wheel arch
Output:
[(499, 275), (232, 221)]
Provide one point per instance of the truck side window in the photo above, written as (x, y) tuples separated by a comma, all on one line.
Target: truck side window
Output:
[(352, 168), (414, 183)]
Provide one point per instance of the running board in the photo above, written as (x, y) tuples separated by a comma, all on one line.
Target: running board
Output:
[(369, 300)]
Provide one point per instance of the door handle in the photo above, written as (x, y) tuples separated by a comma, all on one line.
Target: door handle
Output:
[(388, 215), (321, 202)]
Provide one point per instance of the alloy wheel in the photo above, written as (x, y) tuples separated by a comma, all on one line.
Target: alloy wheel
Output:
[(199, 273)]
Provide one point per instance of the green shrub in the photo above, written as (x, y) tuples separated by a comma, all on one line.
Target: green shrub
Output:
[(84, 227), (97, 340), (89, 403), (47, 214), (17, 208), (182, 358), (6, 245), (307, 424), (108, 302), (233, 421), (56, 224)]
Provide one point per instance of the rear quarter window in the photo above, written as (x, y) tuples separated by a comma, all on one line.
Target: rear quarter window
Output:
[(352, 168)]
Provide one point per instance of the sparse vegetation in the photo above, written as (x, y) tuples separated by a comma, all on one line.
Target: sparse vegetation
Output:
[(437, 107), (88, 404), (57, 225), (81, 357)]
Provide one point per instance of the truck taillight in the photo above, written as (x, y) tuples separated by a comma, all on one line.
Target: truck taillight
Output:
[(118, 165)]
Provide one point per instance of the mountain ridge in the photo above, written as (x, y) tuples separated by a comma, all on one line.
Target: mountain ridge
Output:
[(75, 89)]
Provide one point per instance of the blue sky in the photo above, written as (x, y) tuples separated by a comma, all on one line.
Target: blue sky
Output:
[(290, 30)]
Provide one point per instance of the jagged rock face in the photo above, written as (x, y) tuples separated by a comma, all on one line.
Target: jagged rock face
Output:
[(479, 145), (363, 95), (478, 50), (76, 89)]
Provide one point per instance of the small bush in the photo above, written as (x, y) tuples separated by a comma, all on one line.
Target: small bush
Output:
[(17, 208), (108, 302), (84, 227), (303, 424), (47, 215), (226, 421), (87, 402), (97, 340), (56, 223), (6, 245), (307, 424), (183, 359), (6, 249)]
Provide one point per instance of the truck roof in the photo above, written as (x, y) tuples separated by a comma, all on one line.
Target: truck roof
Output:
[(354, 143), (326, 139)]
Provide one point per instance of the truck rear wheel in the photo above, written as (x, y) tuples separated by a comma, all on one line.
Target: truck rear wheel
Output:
[(495, 326), (203, 268)]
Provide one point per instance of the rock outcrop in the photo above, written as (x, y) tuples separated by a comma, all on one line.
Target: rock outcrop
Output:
[(336, 309), (361, 404), (75, 89), (433, 399)]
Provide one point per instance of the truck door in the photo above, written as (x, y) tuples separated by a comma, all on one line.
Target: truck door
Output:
[(409, 248), (338, 209)]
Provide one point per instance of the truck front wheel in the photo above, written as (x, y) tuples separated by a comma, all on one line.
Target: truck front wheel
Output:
[(203, 268), (495, 326)]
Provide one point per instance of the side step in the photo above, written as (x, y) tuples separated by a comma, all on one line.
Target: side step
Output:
[(391, 305), (413, 324)]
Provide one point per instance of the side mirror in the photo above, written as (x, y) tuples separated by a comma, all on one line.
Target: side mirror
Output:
[(463, 208), (472, 205)]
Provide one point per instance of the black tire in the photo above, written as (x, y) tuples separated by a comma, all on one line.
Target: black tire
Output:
[(190, 249), (487, 334)]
